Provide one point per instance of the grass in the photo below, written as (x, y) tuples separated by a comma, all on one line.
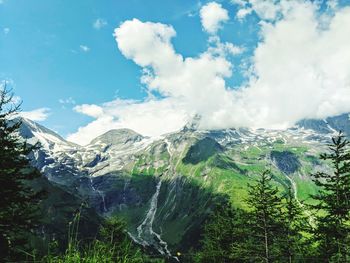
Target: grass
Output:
[(113, 245), (239, 166), (222, 173)]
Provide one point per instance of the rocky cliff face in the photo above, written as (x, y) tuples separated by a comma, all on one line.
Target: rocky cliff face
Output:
[(328, 125), (165, 188)]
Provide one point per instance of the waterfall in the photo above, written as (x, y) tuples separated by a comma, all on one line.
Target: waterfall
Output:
[(145, 229), (147, 224), (100, 193)]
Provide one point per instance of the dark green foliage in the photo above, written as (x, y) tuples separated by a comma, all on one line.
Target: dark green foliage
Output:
[(333, 222), (112, 245), (225, 163), (19, 203), (275, 224), (57, 210), (293, 245), (202, 151), (271, 231), (286, 161), (265, 220), (223, 235), (185, 221)]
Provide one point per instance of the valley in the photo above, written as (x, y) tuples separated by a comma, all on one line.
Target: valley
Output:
[(166, 187)]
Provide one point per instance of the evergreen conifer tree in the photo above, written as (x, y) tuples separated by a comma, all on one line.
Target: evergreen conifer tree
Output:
[(265, 224), (224, 236), (293, 244), (18, 200), (333, 222)]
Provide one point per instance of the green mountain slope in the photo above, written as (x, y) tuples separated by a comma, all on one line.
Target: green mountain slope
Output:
[(165, 188)]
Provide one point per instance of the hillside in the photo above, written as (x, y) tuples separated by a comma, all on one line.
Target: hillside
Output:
[(166, 187)]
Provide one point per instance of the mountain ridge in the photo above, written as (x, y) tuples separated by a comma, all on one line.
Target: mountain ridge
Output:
[(166, 187)]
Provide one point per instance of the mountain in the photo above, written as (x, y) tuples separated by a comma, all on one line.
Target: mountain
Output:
[(165, 188)]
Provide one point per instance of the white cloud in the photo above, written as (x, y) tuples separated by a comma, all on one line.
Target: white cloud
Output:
[(299, 70), (243, 12), (216, 47), (186, 83), (265, 9), (239, 2), (212, 16), (167, 115), (37, 114), (90, 110), (6, 30), (332, 4), (302, 70), (84, 48), (147, 43), (66, 102), (189, 80), (99, 23), (69, 100)]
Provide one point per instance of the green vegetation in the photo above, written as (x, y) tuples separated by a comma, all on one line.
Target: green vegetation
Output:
[(204, 191), (23, 202), (268, 232), (333, 228), (112, 245), (277, 228), (19, 201)]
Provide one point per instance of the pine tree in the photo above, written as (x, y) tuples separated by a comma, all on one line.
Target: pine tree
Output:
[(265, 221), (18, 200), (293, 243), (333, 228), (223, 234)]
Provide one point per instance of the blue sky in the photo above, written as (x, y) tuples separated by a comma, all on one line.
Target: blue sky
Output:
[(41, 53), (58, 54)]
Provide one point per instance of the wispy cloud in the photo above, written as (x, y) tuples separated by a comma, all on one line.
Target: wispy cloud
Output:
[(69, 100), (84, 48), (66, 102), (99, 23), (6, 30), (40, 114)]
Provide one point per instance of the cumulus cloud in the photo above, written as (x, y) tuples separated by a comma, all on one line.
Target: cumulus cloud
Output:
[(243, 12), (84, 48), (332, 4), (89, 110), (185, 82), (40, 114), (99, 23), (213, 15), (152, 118), (299, 70), (265, 9), (216, 47)]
